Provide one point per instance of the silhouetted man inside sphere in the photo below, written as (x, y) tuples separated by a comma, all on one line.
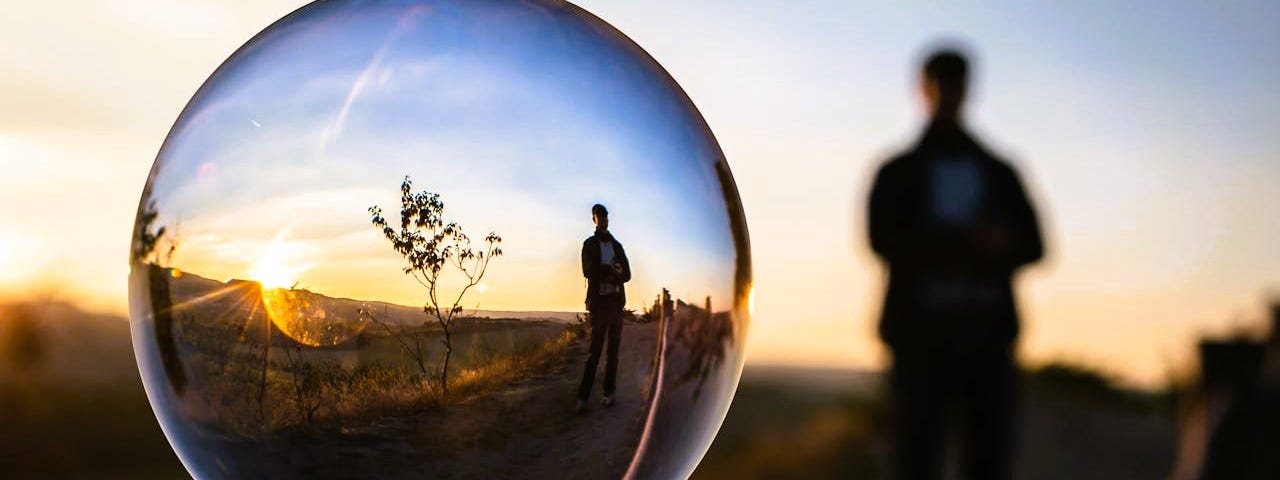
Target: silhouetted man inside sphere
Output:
[(952, 223), (605, 266)]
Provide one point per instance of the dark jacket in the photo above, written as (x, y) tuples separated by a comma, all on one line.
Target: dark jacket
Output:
[(597, 274), (918, 249)]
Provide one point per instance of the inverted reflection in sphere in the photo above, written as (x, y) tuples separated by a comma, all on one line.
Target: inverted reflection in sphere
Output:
[(360, 252)]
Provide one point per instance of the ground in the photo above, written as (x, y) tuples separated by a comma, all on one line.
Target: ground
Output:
[(528, 429), (81, 413)]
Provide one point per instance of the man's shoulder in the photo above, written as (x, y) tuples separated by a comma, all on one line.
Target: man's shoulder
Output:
[(1000, 165), (896, 164), (980, 150), (596, 239)]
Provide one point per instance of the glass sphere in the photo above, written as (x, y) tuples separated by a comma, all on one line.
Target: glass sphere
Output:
[(367, 246)]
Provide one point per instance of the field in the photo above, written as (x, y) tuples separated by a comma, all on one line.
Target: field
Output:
[(259, 367), (73, 407), (295, 384)]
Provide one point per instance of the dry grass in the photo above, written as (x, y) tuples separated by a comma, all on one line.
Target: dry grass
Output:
[(502, 371), (307, 394)]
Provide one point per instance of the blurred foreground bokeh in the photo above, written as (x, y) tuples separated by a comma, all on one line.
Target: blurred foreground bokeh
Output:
[(789, 422), (71, 401)]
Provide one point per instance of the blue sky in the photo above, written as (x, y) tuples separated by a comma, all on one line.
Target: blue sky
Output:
[(520, 131)]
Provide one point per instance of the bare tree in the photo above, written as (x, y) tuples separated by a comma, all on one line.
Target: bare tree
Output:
[(429, 244)]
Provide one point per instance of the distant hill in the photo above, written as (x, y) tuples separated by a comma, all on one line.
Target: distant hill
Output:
[(401, 314), (815, 380), (62, 344), (394, 314)]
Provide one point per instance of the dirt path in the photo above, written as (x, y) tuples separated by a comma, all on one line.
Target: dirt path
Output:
[(527, 430), (540, 435)]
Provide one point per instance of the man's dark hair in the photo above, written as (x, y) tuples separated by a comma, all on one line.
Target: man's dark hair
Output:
[(948, 68), (599, 210)]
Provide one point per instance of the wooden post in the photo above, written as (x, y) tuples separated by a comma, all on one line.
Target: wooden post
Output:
[(668, 307)]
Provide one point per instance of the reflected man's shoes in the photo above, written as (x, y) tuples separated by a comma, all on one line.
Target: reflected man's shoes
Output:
[(607, 401)]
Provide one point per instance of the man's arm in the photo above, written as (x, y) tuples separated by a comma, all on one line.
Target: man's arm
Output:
[(1013, 239), (888, 225), (625, 275), (880, 225), (1026, 245), (586, 259)]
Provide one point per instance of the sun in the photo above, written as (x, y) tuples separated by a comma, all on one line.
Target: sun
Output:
[(273, 273)]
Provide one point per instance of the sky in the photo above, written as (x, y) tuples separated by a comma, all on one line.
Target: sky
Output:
[(520, 123), (1146, 133)]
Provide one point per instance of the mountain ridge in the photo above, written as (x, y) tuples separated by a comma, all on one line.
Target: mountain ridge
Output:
[(402, 311)]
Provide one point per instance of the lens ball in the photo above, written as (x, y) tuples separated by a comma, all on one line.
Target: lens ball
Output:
[(369, 248)]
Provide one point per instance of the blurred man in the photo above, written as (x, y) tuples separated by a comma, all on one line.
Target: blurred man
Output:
[(952, 223), (606, 268)]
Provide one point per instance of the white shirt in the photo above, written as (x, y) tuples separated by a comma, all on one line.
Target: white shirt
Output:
[(606, 258)]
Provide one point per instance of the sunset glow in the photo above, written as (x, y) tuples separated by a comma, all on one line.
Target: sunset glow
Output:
[(273, 269), (272, 274)]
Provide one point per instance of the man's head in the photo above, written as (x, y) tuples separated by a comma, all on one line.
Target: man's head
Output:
[(945, 80), (600, 216)]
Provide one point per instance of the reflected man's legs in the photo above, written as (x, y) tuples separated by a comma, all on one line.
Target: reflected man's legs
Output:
[(605, 323)]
